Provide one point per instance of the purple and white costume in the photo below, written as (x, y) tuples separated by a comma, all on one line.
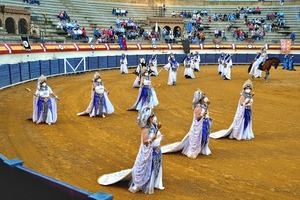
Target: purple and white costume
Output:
[(172, 67), (146, 174), (221, 64), (153, 64), (188, 71), (197, 139), (146, 96), (138, 72), (196, 62), (100, 104), (226, 73), (44, 103), (123, 64), (241, 127)]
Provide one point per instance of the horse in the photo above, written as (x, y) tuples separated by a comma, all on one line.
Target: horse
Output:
[(266, 66)]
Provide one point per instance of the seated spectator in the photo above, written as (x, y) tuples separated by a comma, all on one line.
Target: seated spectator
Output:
[(281, 23), (118, 12), (202, 36), (173, 14), (293, 36), (132, 35), (204, 12), (63, 16), (130, 24), (32, 1), (215, 17), (217, 33), (76, 34), (118, 22), (84, 34), (258, 10), (223, 34), (250, 26), (123, 12), (96, 33), (271, 16), (209, 19)]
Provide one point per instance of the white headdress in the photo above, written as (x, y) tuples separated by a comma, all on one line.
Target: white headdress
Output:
[(42, 78), (198, 95), (96, 75), (248, 84), (142, 60), (143, 116)]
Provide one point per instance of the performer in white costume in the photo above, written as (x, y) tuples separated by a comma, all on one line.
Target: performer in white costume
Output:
[(227, 67), (153, 64), (196, 61), (146, 173), (197, 139), (147, 95), (221, 64), (241, 127), (123, 64), (138, 72), (100, 104), (260, 58), (188, 71), (172, 67), (44, 103)]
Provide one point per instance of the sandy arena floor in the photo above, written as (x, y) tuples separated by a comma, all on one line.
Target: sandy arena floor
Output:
[(78, 150)]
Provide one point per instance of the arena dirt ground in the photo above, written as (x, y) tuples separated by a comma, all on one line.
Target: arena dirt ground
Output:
[(78, 150)]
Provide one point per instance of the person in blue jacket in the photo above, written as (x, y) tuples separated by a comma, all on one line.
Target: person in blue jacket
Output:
[(291, 64), (285, 62)]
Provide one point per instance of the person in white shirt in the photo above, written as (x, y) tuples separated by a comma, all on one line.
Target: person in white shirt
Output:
[(153, 64), (100, 104), (196, 61), (146, 173), (172, 66), (226, 75), (221, 64), (241, 127), (123, 64), (188, 71), (44, 103), (147, 95)]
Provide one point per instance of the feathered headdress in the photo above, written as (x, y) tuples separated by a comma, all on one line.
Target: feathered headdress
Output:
[(96, 76), (142, 60), (42, 78), (198, 95), (248, 84), (143, 116)]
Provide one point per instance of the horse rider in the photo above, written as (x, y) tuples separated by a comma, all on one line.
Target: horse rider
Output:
[(260, 58)]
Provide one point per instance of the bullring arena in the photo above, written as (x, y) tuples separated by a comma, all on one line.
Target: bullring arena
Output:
[(77, 150)]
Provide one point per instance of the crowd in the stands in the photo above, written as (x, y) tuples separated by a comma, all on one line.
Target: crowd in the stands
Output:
[(32, 1), (119, 12), (71, 27), (197, 21), (122, 30)]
